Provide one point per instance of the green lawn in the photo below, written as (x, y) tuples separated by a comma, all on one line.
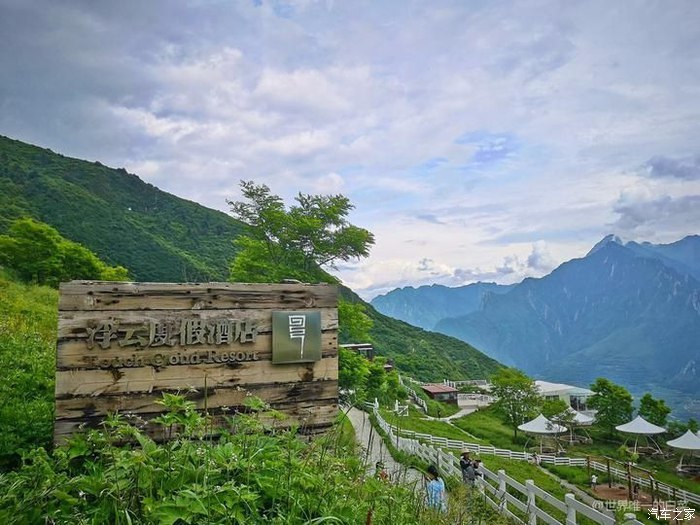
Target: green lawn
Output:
[(485, 424), (417, 422)]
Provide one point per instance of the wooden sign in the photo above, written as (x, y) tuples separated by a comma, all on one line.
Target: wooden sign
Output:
[(121, 345)]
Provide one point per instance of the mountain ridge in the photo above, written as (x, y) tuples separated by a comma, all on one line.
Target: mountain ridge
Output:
[(626, 311), (161, 237)]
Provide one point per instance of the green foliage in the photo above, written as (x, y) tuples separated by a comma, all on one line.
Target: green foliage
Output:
[(613, 403), (158, 236), (28, 316), (518, 398), (38, 253), (295, 243), (353, 370), (654, 410), (555, 409), (353, 322), (249, 476)]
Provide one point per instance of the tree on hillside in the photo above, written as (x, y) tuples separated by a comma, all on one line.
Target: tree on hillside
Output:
[(36, 252), (354, 323), (613, 403), (518, 398), (654, 410), (298, 242), (353, 370)]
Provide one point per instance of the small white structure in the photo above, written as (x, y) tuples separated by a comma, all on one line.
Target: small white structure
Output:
[(577, 418), (641, 427), (574, 396), (400, 410), (687, 441), (572, 419), (542, 426)]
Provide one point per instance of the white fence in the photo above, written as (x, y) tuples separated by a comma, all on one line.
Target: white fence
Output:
[(412, 394), (673, 493), (481, 383), (499, 488)]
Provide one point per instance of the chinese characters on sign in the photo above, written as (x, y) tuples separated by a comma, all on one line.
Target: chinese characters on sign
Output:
[(187, 332), (296, 337), (669, 510)]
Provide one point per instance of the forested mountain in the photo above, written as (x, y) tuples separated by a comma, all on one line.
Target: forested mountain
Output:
[(628, 312), (125, 221), (425, 306), (426, 355), (160, 237)]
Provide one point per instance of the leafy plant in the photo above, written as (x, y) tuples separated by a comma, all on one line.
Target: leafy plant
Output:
[(253, 474)]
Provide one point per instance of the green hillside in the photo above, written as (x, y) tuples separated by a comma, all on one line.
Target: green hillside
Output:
[(125, 221), (160, 237), (427, 356)]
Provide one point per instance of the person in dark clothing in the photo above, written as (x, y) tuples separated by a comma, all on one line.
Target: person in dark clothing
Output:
[(465, 463)]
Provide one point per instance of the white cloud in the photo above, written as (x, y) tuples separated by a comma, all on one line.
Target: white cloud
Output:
[(370, 101)]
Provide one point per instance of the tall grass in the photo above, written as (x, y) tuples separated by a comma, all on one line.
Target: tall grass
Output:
[(28, 317)]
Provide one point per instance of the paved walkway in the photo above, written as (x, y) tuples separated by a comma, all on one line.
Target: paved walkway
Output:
[(374, 449), (462, 412)]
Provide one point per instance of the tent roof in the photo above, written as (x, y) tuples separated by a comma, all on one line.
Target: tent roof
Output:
[(639, 425), (541, 425), (687, 441), (578, 417)]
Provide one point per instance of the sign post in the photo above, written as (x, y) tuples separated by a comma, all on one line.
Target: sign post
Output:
[(122, 345)]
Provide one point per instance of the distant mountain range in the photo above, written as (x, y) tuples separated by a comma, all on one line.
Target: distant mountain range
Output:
[(163, 238), (626, 311), (426, 306)]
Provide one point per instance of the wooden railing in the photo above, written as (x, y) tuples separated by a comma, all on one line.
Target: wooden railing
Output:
[(521, 502), (671, 492)]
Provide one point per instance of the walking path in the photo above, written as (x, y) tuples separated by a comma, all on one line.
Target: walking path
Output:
[(375, 450), (462, 412)]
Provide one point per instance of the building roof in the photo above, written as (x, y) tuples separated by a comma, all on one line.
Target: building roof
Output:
[(439, 389), (639, 425), (551, 389)]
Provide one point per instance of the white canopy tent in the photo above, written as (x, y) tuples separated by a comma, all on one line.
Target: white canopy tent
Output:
[(687, 441), (641, 427), (571, 419), (543, 427)]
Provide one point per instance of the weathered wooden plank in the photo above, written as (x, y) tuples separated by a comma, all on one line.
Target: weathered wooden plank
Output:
[(212, 398), (90, 295), (148, 379), (310, 417), (72, 324), (72, 353)]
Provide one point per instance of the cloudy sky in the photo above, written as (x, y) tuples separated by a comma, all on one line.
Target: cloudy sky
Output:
[(478, 140)]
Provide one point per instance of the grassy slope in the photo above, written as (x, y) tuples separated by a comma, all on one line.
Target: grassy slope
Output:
[(28, 316), (157, 236)]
